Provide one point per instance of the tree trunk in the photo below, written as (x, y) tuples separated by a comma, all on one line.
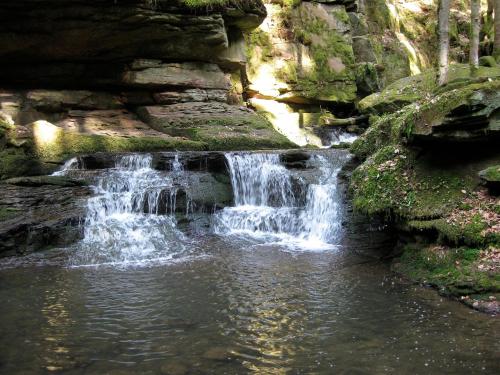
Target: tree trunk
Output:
[(444, 39), (475, 28), (496, 41), (489, 11)]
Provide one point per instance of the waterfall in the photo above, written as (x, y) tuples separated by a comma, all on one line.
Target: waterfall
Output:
[(130, 218), (269, 206), (69, 165)]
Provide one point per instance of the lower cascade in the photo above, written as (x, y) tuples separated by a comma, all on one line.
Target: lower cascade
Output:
[(130, 219), (270, 204)]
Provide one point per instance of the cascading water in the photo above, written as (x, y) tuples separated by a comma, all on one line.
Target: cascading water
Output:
[(269, 205), (130, 218)]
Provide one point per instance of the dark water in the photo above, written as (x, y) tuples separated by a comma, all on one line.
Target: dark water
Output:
[(303, 294), (234, 308)]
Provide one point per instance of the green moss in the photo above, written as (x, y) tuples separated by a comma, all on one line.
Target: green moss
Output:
[(17, 162), (453, 270), (258, 46), (7, 213), (330, 75), (491, 173), (380, 185), (68, 144), (420, 87)]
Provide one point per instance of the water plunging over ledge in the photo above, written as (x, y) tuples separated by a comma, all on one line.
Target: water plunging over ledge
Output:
[(130, 219), (274, 205)]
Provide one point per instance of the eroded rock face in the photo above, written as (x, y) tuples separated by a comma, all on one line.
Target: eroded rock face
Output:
[(104, 31), (78, 74), (37, 214), (468, 114), (303, 54)]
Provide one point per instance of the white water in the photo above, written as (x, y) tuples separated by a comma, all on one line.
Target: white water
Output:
[(339, 137), (268, 209), (130, 219), (69, 165)]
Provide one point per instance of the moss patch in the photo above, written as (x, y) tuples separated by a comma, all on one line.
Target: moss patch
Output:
[(421, 87), (331, 74), (457, 271), (7, 213), (68, 144)]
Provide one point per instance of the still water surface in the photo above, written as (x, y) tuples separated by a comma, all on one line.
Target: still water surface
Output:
[(235, 308)]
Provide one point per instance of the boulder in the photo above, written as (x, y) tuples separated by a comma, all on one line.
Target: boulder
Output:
[(490, 177)]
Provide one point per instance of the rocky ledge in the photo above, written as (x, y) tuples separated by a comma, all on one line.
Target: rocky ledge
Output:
[(425, 168), (40, 212), (123, 76)]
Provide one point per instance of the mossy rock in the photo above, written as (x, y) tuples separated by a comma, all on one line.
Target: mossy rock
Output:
[(488, 61), (491, 178), (217, 126), (419, 87), (316, 33), (454, 271)]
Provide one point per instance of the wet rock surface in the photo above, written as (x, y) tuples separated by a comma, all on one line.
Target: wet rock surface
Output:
[(38, 214)]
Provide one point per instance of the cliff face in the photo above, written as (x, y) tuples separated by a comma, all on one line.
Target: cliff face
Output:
[(84, 76), (309, 58)]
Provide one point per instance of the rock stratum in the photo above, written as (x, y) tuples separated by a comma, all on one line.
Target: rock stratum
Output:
[(88, 76)]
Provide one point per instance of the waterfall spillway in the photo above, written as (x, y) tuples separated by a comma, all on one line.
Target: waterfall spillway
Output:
[(270, 204), (130, 218), (137, 203)]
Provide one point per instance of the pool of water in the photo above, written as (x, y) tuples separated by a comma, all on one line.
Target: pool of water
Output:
[(234, 307), (287, 281)]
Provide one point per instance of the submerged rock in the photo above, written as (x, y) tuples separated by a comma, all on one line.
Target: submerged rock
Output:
[(217, 353)]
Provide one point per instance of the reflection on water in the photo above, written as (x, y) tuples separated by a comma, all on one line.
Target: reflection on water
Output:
[(240, 309)]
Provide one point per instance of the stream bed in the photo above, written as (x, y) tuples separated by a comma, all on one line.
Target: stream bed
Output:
[(276, 282)]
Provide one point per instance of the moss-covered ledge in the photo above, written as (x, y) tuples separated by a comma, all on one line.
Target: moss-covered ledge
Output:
[(41, 147), (432, 193), (421, 87)]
